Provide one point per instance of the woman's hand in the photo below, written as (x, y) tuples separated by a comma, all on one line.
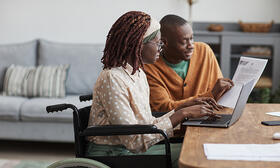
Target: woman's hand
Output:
[(198, 111), (201, 100), (195, 111)]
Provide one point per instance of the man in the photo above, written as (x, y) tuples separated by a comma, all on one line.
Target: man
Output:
[(185, 69)]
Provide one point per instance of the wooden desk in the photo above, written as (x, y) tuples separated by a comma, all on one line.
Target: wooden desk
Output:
[(248, 130)]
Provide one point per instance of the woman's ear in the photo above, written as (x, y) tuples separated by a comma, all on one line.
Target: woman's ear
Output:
[(164, 40), (165, 43)]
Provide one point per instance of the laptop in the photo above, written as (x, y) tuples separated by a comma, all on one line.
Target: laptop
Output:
[(226, 120)]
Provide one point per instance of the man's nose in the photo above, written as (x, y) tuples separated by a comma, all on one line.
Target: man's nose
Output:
[(190, 45)]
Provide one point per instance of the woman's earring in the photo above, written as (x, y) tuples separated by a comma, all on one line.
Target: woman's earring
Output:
[(161, 51)]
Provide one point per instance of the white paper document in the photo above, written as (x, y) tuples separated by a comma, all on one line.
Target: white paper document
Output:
[(248, 69), (230, 96), (248, 152), (277, 114)]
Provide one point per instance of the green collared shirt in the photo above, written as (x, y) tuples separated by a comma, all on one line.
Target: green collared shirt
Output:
[(181, 68)]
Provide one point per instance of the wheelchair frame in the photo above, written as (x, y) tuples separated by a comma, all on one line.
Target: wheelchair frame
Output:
[(80, 122)]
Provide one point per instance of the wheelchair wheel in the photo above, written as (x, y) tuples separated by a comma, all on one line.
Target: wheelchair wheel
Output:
[(78, 163)]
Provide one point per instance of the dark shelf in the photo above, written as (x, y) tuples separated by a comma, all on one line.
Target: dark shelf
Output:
[(254, 56), (231, 43)]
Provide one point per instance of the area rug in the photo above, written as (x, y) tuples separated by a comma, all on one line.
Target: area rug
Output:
[(24, 164)]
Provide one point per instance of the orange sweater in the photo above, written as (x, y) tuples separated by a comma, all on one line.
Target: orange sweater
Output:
[(168, 90)]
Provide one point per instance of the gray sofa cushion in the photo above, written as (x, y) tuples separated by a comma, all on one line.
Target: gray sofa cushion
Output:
[(10, 107), (35, 109), (41, 81), (84, 59), (19, 54)]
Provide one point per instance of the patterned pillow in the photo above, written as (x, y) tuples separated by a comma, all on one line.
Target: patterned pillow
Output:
[(41, 81)]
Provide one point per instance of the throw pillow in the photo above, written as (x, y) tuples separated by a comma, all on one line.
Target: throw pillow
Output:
[(13, 79), (42, 81)]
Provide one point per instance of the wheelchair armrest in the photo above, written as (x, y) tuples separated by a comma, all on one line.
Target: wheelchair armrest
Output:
[(60, 107), (173, 140), (107, 130), (85, 97)]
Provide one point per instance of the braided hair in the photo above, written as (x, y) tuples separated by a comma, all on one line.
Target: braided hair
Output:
[(124, 41)]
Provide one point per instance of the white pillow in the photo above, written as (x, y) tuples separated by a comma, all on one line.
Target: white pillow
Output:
[(41, 81)]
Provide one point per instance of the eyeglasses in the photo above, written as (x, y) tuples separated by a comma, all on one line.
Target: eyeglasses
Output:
[(159, 45)]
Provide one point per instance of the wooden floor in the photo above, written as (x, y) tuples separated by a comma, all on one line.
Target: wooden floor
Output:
[(21, 150)]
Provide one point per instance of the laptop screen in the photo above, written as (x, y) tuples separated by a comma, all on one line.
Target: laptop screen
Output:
[(241, 102)]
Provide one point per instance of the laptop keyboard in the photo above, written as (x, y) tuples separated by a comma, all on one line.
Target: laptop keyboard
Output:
[(223, 120)]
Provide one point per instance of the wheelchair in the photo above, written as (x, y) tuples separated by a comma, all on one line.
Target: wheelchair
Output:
[(80, 123)]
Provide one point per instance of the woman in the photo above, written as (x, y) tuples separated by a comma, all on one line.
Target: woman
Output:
[(121, 93)]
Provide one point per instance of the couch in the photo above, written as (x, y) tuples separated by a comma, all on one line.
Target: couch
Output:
[(25, 118)]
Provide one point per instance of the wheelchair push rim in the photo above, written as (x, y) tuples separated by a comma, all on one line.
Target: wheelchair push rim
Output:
[(78, 162)]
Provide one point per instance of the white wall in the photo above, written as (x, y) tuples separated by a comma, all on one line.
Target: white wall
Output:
[(88, 21)]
